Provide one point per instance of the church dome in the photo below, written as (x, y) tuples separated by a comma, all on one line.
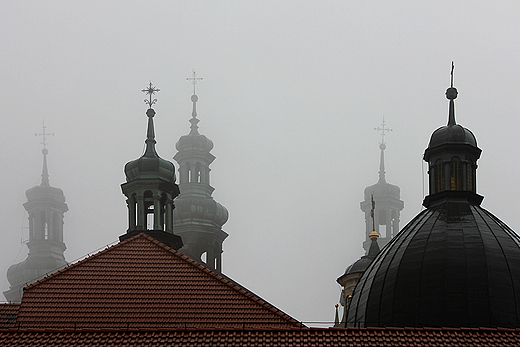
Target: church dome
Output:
[(204, 211), (194, 140), (454, 134), (382, 189), (455, 264), (150, 165), (45, 193)]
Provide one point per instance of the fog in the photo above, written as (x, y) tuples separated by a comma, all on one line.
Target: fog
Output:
[(290, 96)]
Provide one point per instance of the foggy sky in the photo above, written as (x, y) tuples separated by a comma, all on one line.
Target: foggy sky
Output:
[(290, 96)]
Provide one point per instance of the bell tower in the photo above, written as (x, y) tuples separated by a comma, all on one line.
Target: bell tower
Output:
[(388, 205), (198, 218), (150, 188), (46, 207)]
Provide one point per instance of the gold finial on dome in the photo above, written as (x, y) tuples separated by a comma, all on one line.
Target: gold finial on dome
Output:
[(373, 235)]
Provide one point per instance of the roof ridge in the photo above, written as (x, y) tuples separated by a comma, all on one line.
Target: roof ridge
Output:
[(73, 265), (222, 278)]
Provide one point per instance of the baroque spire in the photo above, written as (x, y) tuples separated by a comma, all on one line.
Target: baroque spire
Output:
[(382, 146), (451, 94), (194, 98), (150, 113), (45, 151)]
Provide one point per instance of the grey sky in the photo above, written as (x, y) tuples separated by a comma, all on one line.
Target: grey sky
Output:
[(292, 91)]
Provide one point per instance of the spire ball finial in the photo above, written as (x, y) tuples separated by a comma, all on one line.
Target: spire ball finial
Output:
[(151, 90), (373, 235), (451, 93)]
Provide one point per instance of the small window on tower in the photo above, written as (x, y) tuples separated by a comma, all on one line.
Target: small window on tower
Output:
[(456, 174)]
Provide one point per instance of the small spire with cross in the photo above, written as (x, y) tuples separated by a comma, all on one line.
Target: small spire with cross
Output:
[(44, 135), (151, 90), (383, 129), (194, 80), (45, 151)]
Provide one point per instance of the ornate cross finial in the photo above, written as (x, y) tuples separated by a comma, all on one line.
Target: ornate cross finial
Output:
[(452, 67), (194, 80), (44, 134), (151, 90), (384, 129)]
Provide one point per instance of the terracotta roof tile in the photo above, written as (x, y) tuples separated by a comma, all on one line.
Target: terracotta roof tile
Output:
[(8, 315), (264, 337), (142, 283)]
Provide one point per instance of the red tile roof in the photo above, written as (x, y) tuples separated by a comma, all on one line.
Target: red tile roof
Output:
[(141, 283), (264, 337), (8, 314)]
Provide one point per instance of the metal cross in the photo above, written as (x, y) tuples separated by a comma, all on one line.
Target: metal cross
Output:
[(44, 134), (194, 80), (151, 90), (452, 67), (383, 129)]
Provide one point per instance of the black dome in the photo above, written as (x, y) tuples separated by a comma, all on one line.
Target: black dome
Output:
[(454, 265), (452, 134)]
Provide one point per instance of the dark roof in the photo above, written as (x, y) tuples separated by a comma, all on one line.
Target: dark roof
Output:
[(141, 283), (455, 264), (262, 337)]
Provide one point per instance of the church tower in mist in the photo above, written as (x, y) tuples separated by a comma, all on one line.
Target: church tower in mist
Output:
[(382, 207), (198, 218), (46, 207), (150, 188), (388, 204)]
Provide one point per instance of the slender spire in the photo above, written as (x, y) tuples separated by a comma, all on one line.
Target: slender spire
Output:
[(45, 171), (194, 98), (150, 113), (451, 94), (382, 178)]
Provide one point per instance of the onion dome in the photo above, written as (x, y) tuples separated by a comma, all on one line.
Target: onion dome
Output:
[(361, 264), (452, 133), (194, 140), (454, 265), (44, 192), (200, 210), (150, 165)]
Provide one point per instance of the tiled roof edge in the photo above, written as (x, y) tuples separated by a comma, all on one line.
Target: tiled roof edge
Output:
[(70, 266), (307, 330), (224, 279)]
